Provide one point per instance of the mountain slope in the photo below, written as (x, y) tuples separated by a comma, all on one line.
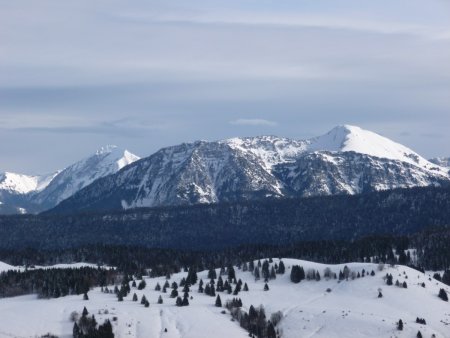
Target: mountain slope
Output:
[(347, 160)]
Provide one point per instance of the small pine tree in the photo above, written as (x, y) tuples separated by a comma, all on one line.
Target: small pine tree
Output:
[(419, 334), (157, 287), (218, 301), (142, 285), (135, 298), (85, 312), (143, 300), (245, 287), (147, 303), (160, 300), (76, 331), (85, 296), (266, 287), (271, 331), (174, 293), (443, 295), (400, 325), (179, 302)]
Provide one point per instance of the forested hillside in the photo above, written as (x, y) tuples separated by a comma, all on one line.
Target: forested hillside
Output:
[(395, 212)]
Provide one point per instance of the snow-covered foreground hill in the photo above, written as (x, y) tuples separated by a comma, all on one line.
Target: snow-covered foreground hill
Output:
[(351, 308)]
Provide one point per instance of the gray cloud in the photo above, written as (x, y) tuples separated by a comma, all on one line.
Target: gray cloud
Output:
[(253, 122), (77, 75)]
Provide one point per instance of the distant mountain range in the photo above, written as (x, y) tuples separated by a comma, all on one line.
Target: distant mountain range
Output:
[(346, 160)]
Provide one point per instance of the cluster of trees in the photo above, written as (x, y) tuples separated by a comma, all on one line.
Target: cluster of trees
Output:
[(255, 321), (87, 327), (421, 321), (54, 283), (445, 278)]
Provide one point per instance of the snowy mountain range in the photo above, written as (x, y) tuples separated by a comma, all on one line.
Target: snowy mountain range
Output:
[(346, 160), (23, 193)]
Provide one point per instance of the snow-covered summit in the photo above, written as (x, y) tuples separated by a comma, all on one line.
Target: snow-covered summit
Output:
[(23, 184), (353, 138), (105, 161)]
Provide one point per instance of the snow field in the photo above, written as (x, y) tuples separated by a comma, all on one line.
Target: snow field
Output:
[(351, 309)]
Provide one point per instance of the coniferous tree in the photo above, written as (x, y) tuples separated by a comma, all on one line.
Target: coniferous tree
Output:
[(317, 276), (281, 268), (256, 273), (174, 293), (271, 331), (76, 331), (142, 285), (85, 296), (272, 273), (419, 334), (157, 287), (265, 270), (400, 325), (185, 299), (135, 298), (388, 279), (443, 295), (297, 274), (218, 301), (212, 274), (245, 287), (266, 287), (143, 300), (160, 300), (231, 273), (85, 312), (179, 302)]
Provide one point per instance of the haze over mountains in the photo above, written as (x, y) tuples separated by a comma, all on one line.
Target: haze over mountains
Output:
[(346, 160)]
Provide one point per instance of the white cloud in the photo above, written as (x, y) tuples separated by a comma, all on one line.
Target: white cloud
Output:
[(253, 122)]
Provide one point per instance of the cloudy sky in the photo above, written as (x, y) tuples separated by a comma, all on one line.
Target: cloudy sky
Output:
[(76, 75)]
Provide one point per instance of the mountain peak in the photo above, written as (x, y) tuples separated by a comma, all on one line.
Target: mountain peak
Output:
[(106, 149), (352, 138)]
